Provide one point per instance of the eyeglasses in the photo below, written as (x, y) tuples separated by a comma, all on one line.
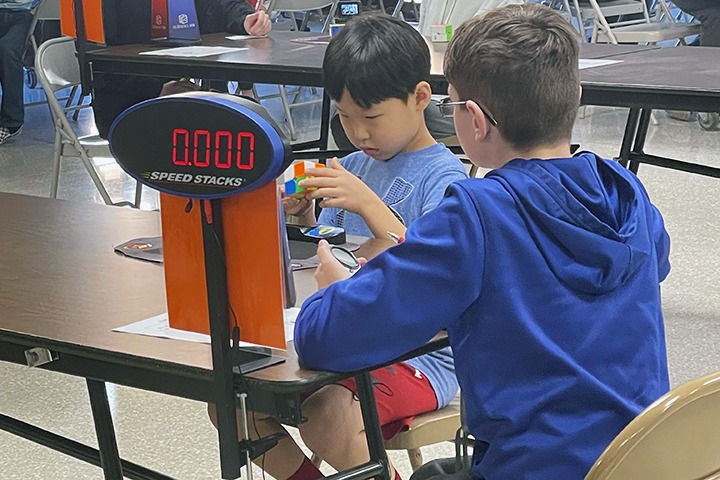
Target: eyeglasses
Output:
[(447, 108)]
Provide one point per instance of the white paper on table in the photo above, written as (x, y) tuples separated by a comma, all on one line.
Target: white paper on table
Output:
[(159, 326), (596, 62), (244, 37), (198, 51)]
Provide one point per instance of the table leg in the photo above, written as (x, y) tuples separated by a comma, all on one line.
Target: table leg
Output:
[(640, 138), (629, 136), (373, 433), (109, 456)]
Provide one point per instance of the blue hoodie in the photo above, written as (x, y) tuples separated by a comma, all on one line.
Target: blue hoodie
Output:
[(545, 275)]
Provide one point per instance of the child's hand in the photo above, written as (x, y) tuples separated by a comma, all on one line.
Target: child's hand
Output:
[(257, 23), (330, 270), (295, 206), (339, 188)]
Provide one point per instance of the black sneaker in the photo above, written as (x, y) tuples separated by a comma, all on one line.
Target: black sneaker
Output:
[(6, 133)]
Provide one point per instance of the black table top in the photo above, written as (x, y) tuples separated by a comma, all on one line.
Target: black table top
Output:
[(281, 56), (683, 70), (65, 289), (648, 77)]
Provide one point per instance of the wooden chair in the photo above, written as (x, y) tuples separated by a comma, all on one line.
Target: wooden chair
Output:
[(677, 437), (427, 429)]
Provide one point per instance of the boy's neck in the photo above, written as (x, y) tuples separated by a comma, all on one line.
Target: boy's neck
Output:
[(544, 152), (422, 139)]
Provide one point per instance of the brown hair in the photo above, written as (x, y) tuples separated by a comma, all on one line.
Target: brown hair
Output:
[(521, 63)]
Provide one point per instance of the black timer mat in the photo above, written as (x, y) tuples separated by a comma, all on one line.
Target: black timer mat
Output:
[(149, 249)]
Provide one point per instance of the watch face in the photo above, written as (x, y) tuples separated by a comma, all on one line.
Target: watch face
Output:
[(199, 145)]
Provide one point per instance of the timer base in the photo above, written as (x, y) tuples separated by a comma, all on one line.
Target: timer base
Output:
[(250, 359), (176, 42)]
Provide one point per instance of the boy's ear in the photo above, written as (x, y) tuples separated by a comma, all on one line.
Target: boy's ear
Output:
[(481, 125), (423, 94)]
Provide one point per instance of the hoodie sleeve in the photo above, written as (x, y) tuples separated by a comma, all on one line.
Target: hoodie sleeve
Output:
[(662, 244), (400, 299)]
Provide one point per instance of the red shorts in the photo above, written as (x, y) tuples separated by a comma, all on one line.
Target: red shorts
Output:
[(401, 392)]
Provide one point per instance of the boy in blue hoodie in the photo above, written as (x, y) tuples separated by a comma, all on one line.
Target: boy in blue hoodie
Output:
[(545, 273)]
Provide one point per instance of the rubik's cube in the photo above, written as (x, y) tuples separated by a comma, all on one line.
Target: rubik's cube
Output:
[(294, 175)]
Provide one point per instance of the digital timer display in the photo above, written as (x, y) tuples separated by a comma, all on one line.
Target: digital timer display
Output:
[(201, 151), (200, 145)]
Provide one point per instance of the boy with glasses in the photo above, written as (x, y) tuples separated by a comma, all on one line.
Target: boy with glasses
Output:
[(546, 273)]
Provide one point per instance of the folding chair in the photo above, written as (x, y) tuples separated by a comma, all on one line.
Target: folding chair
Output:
[(442, 425), (397, 11), (294, 6), (276, 7), (57, 68), (677, 437), (49, 10), (428, 429), (584, 14), (642, 30)]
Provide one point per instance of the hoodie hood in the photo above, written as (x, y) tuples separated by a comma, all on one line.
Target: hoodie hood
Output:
[(583, 215)]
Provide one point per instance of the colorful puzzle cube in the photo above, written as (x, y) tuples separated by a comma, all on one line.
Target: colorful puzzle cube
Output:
[(294, 174)]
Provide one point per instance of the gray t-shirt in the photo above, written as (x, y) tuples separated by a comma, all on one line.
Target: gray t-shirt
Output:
[(411, 184)]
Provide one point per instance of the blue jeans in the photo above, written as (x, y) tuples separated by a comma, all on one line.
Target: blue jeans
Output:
[(14, 26)]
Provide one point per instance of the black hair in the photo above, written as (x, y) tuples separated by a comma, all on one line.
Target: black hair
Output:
[(376, 58)]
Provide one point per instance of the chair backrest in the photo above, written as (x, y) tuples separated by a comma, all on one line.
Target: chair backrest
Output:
[(677, 437), (299, 5), (57, 67), (292, 6), (605, 11)]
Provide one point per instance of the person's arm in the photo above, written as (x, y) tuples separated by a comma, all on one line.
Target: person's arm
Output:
[(400, 299), (241, 18), (341, 189), (235, 12)]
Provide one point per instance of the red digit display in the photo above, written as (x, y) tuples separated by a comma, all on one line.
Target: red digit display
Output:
[(248, 165), (198, 145), (202, 149), (223, 160), (183, 159)]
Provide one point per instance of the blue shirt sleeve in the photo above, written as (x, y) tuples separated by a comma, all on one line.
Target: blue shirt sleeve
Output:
[(400, 299)]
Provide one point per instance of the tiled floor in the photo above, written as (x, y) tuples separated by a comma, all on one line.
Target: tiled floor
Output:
[(174, 435)]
